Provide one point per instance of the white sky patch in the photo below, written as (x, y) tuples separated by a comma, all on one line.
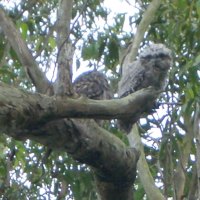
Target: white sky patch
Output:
[(122, 6), (119, 6), (9, 3)]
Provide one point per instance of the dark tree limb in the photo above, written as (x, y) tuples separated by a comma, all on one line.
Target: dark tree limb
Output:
[(37, 77), (46, 120)]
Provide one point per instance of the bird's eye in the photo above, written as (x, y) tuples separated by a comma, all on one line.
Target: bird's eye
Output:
[(148, 57), (162, 55), (157, 67)]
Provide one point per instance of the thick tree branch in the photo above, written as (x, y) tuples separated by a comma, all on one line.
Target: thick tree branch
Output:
[(38, 117), (65, 49), (34, 73), (22, 108)]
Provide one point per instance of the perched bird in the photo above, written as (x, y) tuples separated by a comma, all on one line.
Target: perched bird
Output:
[(92, 84), (151, 69)]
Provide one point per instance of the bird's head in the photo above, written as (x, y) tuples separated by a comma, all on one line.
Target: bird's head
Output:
[(158, 56)]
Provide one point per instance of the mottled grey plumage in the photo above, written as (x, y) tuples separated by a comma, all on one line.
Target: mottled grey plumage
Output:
[(92, 84), (151, 69)]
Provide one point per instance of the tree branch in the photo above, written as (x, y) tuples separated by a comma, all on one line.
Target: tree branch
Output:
[(33, 72), (193, 190), (115, 178), (143, 169), (197, 136), (184, 152), (65, 49), (18, 108), (147, 19)]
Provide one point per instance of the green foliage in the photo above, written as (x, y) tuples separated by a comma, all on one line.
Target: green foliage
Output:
[(105, 46), (26, 172), (33, 173)]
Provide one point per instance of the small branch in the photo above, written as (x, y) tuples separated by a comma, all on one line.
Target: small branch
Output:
[(143, 169), (184, 152), (33, 72), (147, 19), (197, 135)]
